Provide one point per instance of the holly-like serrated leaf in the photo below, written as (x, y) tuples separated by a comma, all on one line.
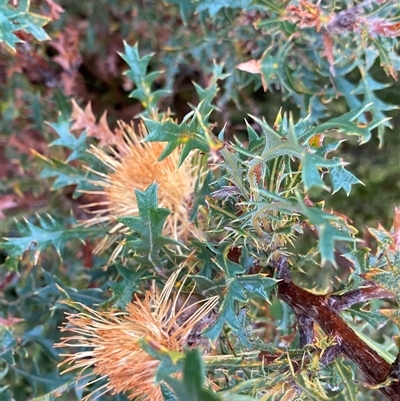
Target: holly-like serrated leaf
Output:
[(345, 123), (388, 279), (342, 179), (125, 288), (375, 319), (207, 95), (147, 239), (359, 258), (143, 82), (381, 348), (230, 268), (65, 175), (234, 292), (311, 164), (186, 135), (367, 87), (257, 285), (36, 238), (20, 18), (69, 140), (384, 238), (330, 229), (227, 311)]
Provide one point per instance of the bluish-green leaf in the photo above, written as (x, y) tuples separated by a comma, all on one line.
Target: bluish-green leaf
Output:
[(147, 239), (125, 288), (187, 135), (257, 285), (342, 179), (330, 229), (191, 388), (35, 238), (138, 74), (213, 6), (345, 124), (69, 140), (359, 258), (311, 164), (20, 18)]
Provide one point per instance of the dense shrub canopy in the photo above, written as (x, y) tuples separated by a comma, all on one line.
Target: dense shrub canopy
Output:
[(198, 200)]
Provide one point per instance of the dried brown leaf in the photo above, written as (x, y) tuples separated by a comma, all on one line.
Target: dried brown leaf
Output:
[(7, 202), (85, 120), (251, 66), (69, 58), (10, 321), (55, 9), (328, 52)]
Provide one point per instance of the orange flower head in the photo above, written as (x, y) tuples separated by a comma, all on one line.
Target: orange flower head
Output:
[(132, 164), (107, 342)]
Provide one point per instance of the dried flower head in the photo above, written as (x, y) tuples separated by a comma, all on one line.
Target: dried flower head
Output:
[(107, 342), (133, 164)]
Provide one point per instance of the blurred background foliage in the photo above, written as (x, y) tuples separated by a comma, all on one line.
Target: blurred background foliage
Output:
[(80, 61)]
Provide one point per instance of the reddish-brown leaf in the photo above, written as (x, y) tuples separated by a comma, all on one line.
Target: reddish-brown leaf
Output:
[(379, 26), (69, 58), (85, 120), (6, 202), (67, 46), (10, 321), (251, 66), (328, 52), (55, 9)]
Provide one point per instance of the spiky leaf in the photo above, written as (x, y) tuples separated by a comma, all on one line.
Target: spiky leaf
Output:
[(20, 18), (191, 388), (138, 74), (69, 140), (187, 135), (49, 231), (147, 239)]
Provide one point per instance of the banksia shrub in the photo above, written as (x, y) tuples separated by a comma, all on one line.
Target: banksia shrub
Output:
[(192, 201)]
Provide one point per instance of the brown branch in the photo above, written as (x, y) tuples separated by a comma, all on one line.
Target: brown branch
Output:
[(318, 309), (305, 326), (370, 291)]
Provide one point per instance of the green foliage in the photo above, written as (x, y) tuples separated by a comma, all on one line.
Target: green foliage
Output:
[(137, 73), (68, 140), (270, 107), (147, 239), (191, 388), (35, 238), (185, 134), (20, 18)]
